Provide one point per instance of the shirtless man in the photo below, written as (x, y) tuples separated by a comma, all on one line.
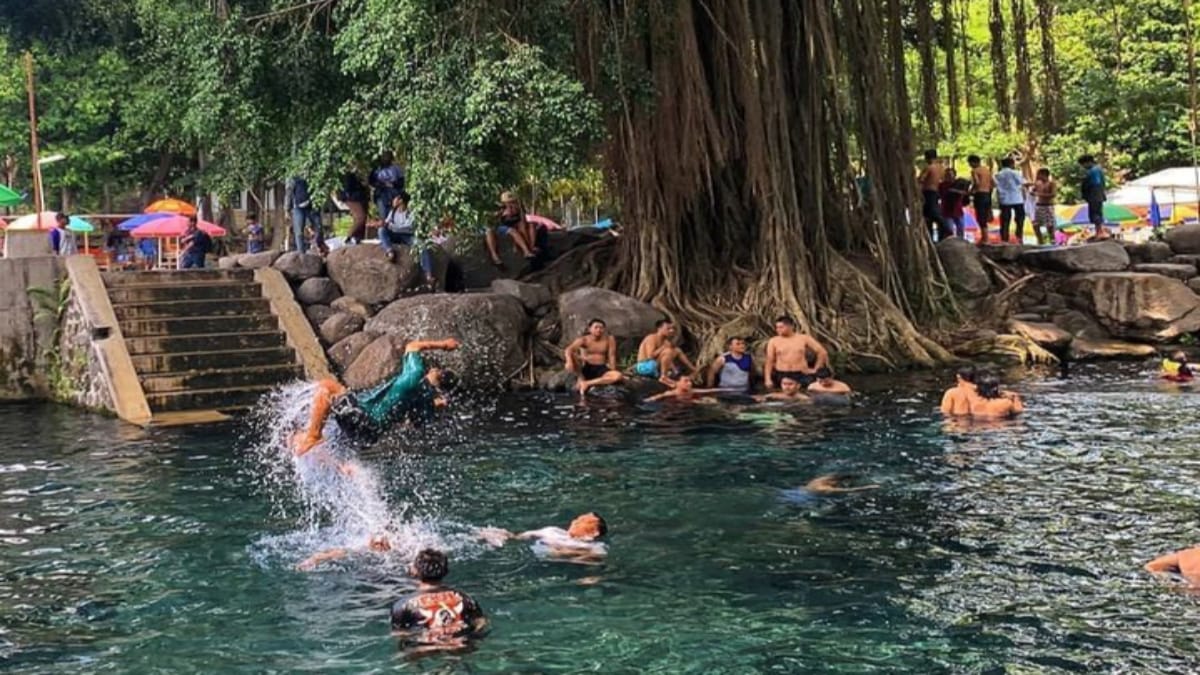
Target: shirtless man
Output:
[(956, 401), (982, 185), (989, 402), (787, 355), (929, 179), (658, 354), (685, 391), (790, 392), (593, 358), (825, 384), (378, 543), (834, 484), (580, 542), (1186, 563)]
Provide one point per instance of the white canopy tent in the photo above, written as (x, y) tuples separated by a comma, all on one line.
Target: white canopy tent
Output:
[(1179, 185)]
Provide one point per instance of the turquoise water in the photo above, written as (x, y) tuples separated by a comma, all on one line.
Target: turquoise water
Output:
[(1014, 548)]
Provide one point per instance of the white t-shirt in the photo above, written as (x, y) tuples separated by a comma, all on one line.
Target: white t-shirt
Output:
[(1008, 186), (400, 222), (555, 540)]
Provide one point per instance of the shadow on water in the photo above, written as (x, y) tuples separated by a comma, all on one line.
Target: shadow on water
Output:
[(1006, 547)]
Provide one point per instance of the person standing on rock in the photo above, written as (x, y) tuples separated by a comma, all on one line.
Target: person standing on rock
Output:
[(929, 179), (952, 192), (354, 195), (982, 185), (297, 200), (592, 357), (1045, 191), (1092, 190), (365, 415), (387, 181), (787, 355), (1010, 185)]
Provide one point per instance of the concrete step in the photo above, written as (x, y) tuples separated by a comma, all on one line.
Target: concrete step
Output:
[(230, 378), (208, 360), (184, 277), (207, 399), (217, 342), (199, 325), (216, 290), (188, 308)]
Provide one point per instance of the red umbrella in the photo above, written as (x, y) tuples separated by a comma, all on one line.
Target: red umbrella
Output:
[(171, 205), (543, 221), (174, 226)]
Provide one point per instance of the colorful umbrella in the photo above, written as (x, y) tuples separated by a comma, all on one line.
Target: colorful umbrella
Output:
[(41, 221), (171, 205), (174, 226), (543, 221), (1113, 213), (9, 196), (77, 224), (138, 221)]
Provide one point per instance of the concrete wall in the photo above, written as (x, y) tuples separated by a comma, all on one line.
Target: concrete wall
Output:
[(25, 342)]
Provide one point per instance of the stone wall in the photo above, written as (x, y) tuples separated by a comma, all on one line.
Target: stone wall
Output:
[(26, 341)]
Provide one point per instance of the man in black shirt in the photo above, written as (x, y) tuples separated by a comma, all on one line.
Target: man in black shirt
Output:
[(436, 614)]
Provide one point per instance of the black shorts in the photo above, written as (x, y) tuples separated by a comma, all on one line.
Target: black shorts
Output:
[(591, 371), (804, 379), (353, 420)]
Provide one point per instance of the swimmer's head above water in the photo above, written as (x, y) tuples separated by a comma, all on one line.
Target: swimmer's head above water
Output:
[(1179, 357), (588, 527), (789, 386), (988, 386), (966, 374), (380, 543), (442, 380), (430, 566)]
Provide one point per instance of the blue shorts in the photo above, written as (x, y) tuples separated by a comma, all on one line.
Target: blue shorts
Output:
[(503, 229), (647, 368)]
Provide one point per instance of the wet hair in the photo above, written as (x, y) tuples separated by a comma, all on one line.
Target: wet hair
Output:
[(967, 373), (601, 525), (788, 378), (988, 386), (1087, 159), (973, 159), (661, 322), (431, 565), (1007, 162), (787, 321), (931, 154), (593, 322), (823, 373)]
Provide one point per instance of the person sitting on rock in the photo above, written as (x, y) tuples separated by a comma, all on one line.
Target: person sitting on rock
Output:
[(365, 415), (658, 355), (510, 220), (592, 357), (1176, 368), (790, 391), (684, 390), (989, 402), (825, 384), (397, 226), (956, 401), (731, 371)]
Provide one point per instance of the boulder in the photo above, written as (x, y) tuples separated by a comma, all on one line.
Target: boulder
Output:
[(1194, 284), (376, 362), (1138, 306), (1185, 259), (318, 314), (532, 296), (1184, 238), (628, 320), (340, 326), (1045, 334), (364, 273), (491, 328), (254, 261), (318, 291), (348, 348), (227, 262), (1173, 270), (1105, 256), (299, 266), (1084, 349), (477, 269), (1080, 325), (1148, 252), (963, 266), (348, 304), (1002, 253)]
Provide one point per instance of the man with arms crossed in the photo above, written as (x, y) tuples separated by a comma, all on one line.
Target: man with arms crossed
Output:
[(787, 355)]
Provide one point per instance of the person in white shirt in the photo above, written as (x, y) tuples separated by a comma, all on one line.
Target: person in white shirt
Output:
[(580, 542), (398, 227), (1010, 185)]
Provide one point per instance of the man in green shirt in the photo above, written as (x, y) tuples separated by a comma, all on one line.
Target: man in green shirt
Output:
[(365, 415)]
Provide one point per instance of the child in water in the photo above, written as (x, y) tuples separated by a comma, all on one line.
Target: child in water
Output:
[(1176, 368)]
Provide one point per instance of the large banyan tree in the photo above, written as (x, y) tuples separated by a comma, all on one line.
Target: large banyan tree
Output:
[(763, 156)]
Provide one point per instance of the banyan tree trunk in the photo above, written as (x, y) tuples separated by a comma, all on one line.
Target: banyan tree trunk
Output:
[(1025, 108), (999, 63), (737, 192), (1054, 111), (926, 41), (952, 101)]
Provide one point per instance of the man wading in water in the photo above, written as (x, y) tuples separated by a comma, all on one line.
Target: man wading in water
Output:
[(787, 355), (436, 616)]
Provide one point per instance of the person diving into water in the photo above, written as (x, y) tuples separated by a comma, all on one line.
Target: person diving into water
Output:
[(365, 415)]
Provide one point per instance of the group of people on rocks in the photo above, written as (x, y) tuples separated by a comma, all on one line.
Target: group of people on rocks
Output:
[(945, 195), (788, 374)]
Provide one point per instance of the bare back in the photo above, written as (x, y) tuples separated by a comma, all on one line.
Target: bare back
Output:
[(932, 176), (650, 347), (956, 402), (981, 177)]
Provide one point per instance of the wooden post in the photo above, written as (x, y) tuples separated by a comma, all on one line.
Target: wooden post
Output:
[(33, 139)]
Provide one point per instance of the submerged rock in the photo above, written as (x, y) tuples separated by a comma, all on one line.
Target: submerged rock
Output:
[(966, 273), (364, 272), (1105, 256), (1138, 306)]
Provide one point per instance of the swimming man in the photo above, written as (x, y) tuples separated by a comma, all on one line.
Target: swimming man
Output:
[(658, 354), (378, 543), (366, 415), (790, 391), (1186, 563), (593, 358), (989, 402), (436, 614), (957, 399), (684, 390), (787, 355), (825, 384), (580, 542)]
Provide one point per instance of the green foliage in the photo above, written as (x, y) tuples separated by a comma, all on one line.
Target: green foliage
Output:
[(51, 304)]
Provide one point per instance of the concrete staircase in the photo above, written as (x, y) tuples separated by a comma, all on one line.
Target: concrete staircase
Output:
[(203, 340)]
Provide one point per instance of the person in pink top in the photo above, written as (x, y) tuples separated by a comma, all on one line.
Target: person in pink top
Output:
[(952, 193)]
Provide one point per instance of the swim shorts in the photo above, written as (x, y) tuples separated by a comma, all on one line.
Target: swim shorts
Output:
[(804, 379), (353, 420), (647, 368), (591, 371)]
